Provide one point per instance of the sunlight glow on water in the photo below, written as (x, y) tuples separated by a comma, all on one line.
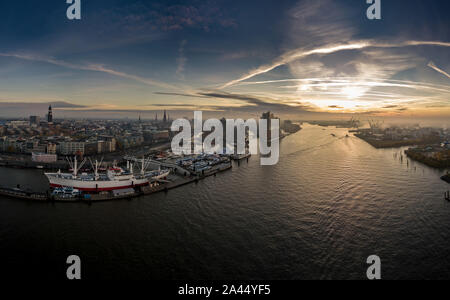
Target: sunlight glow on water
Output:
[(329, 204)]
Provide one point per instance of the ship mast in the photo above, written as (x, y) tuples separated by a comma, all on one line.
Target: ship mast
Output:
[(95, 167), (75, 166), (75, 169), (144, 164)]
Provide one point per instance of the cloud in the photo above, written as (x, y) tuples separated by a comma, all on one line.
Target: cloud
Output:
[(181, 60), (316, 31), (25, 109), (333, 68), (31, 105), (310, 25), (91, 67), (293, 55), (193, 95), (145, 16), (346, 81), (203, 16), (434, 67), (252, 102)]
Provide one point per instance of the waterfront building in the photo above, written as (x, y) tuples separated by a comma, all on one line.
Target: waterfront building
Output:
[(17, 124), (72, 148), (106, 146), (269, 117), (44, 157), (35, 120), (50, 115), (51, 148), (160, 136)]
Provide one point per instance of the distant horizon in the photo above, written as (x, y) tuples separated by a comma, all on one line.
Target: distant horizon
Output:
[(227, 58), (388, 121)]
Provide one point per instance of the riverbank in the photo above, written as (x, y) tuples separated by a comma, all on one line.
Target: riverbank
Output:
[(428, 160), (382, 144), (161, 186)]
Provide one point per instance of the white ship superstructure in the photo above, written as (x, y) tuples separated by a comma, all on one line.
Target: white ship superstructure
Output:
[(115, 179)]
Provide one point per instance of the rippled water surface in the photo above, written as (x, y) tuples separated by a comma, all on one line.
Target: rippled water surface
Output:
[(329, 204)]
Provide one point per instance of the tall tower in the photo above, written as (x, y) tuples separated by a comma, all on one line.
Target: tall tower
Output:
[(50, 115)]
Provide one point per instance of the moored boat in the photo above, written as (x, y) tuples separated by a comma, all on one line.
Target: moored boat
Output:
[(114, 179)]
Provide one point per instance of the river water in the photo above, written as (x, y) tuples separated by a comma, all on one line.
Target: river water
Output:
[(318, 214)]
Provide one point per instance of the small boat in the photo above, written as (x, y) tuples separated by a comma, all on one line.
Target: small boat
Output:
[(447, 196), (446, 178), (115, 178), (66, 191), (158, 174), (39, 167)]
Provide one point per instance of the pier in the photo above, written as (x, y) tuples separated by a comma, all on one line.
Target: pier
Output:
[(167, 165), (159, 186)]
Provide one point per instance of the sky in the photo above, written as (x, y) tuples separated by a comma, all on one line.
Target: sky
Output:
[(298, 58)]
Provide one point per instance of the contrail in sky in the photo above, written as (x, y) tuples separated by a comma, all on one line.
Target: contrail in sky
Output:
[(434, 67), (91, 67), (299, 53)]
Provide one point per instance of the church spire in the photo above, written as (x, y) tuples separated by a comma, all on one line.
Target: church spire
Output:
[(50, 115)]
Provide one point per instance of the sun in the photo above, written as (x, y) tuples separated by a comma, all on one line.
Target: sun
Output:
[(353, 92)]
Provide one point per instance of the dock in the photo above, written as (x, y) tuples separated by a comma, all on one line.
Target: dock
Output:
[(24, 195), (239, 157), (161, 186)]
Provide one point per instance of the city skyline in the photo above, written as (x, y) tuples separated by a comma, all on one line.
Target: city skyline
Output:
[(209, 143), (301, 59)]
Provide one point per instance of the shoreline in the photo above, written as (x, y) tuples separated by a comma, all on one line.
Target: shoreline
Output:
[(413, 155), (31, 196), (428, 161), (385, 144)]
